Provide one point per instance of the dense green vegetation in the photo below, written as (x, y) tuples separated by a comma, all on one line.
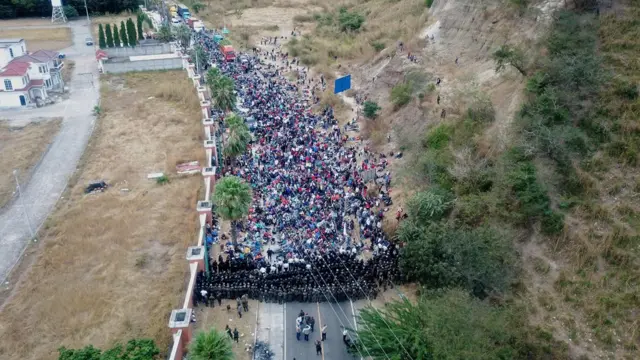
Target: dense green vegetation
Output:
[(42, 8), (449, 325), (135, 349), (575, 144)]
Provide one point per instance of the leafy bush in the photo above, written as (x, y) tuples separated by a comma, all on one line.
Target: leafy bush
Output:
[(481, 111), (70, 12), (349, 21), (438, 137), (401, 94), (7, 12), (162, 180), (377, 45), (479, 260), (134, 349), (324, 19), (431, 205), (371, 109), (428, 3)]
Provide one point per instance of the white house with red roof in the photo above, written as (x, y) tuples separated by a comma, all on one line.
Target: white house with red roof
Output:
[(46, 67), (17, 88), (26, 77)]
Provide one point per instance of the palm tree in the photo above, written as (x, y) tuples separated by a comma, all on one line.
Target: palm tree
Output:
[(211, 345), (222, 93), (212, 75), (238, 138), (232, 197)]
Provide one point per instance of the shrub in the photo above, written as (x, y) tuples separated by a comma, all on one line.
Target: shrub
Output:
[(552, 222), (349, 21), (371, 109), (430, 205), (70, 12), (438, 137), (7, 12), (377, 45), (428, 3), (401, 94), (481, 111)]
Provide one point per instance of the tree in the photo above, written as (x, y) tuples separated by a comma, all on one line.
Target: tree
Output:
[(507, 55), (211, 345), (131, 33), (232, 197), (139, 21), (101, 40), (349, 21), (443, 326), (197, 7), (123, 35), (164, 34), (135, 349), (199, 57), (371, 109), (212, 76), (481, 260), (70, 12), (238, 138), (109, 35), (401, 94), (183, 35), (222, 93), (117, 42)]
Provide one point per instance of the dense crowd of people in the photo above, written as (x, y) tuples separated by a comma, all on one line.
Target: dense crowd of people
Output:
[(312, 213)]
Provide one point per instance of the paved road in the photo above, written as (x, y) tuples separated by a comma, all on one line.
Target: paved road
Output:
[(335, 316), (50, 177)]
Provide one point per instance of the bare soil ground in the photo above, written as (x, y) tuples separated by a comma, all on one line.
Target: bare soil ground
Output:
[(110, 266), (20, 149), (25, 22), (41, 39), (218, 317)]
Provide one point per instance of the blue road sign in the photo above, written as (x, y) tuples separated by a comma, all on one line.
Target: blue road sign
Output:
[(342, 84)]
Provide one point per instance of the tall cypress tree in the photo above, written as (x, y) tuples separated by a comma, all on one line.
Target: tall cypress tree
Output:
[(139, 23), (109, 35), (131, 31), (101, 41), (116, 38), (123, 35)]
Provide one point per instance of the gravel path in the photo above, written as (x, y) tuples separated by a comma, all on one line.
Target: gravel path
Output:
[(50, 177)]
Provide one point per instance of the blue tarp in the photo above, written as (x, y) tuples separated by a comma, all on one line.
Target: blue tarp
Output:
[(342, 84)]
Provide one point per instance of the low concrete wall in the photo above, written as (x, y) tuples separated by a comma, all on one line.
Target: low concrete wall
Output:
[(154, 49), (142, 65)]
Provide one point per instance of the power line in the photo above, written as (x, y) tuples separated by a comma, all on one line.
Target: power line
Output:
[(378, 311), (366, 325)]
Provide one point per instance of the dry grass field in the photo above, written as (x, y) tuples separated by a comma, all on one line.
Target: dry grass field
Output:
[(37, 39), (109, 19), (21, 148), (111, 265)]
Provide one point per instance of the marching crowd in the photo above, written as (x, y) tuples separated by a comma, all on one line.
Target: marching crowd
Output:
[(312, 213)]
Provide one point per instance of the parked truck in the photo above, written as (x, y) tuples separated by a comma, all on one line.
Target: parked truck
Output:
[(183, 11), (228, 52), (173, 10), (195, 24)]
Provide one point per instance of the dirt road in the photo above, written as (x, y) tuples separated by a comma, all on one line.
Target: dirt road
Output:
[(50, 177)]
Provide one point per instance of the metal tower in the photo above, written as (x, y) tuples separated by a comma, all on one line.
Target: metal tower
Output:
[(57, 14)]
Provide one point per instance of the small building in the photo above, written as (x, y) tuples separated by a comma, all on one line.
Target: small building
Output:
[(18, 88), (11, 49), (46, 67)]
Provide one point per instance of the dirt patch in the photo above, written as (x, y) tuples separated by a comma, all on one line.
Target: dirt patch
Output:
[(110, 266), (26, 22), (21, 148), (41, 39), (67, 70), (218, 317)]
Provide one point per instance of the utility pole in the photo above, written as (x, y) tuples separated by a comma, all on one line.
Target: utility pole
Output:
[(87, 11), (26, 213)]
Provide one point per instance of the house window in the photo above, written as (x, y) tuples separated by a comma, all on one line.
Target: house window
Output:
[(22, 49), (11, 52), (48, 82), (8, 85), (41, 69), (24, 80)]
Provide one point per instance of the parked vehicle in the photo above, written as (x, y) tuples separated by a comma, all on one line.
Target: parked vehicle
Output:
[(228, 52), (183, 11), (88, 41), (195, 24)]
